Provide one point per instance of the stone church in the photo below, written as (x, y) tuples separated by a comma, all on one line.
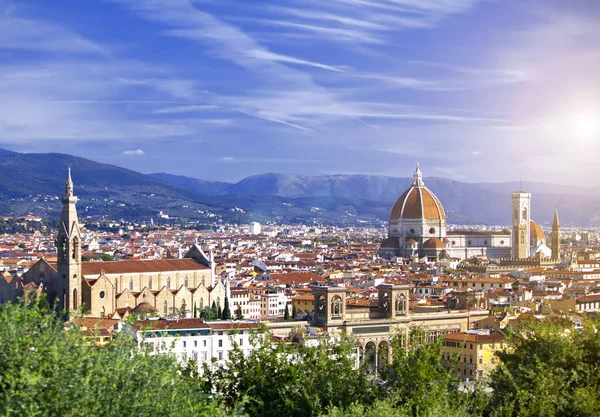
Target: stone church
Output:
[(109, 289)]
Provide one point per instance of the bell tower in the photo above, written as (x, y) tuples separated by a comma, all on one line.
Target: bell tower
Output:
[(555, 237), (521, 219), (68, 243)]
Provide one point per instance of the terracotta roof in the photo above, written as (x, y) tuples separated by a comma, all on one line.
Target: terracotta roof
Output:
[(434, 243), (535, 231), (297, 278), (390, 242), (145, 308), (475, 337), (134, 266), (418, 203)]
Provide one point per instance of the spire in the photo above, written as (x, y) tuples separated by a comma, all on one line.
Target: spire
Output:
[(556, 223), (418, 178), (69, 185)]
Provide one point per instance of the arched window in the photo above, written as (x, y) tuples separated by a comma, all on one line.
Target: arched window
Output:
[(522, 236), (400, 303), (201, 303), (525, 213), (102, 312), (74, 298), (165, 308), (336, 306), (150, 283), (168, 282), (130, 284), (185, 281), (75, 248), (203, 281)]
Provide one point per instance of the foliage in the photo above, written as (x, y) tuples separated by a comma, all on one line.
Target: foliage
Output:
[(209, 313), (289, 380), (286, 314), (226, 315), (46, 370), (103, 256), (239, 315), (294, 312), (548, 371)]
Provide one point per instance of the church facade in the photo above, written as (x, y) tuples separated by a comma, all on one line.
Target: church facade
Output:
[(418, 231), (104, 289)]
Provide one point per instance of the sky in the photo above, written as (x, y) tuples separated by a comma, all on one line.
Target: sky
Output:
[(222, 89)]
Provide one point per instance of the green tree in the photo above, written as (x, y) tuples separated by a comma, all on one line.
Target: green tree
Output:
[(286, 314), (238, 313), (550, 369), (219, 312), (46, 370), (226, 311), (289, 380), (294, 312)]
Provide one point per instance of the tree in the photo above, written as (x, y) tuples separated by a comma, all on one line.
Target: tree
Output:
[(219, 312), (550, 369), (294, 312), (49, 371), (289, 380), (238, 313), (286, 314), (226, 311)]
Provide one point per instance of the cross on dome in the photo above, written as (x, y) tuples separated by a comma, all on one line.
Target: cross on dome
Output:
[(418, 178)]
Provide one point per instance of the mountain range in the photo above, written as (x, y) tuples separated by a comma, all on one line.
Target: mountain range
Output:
[(32, 183)]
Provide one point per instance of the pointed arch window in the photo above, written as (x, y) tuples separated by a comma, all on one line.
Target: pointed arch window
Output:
[(75, 299), (150, 283), (185, 281), (168, 282), (165, 308), (75, 249), (130, 284), (201, 303), (102, 312)]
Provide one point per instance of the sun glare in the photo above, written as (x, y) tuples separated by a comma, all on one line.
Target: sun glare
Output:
[(586, 125)]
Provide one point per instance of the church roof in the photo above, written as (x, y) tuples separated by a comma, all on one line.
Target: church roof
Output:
[(140, 266), (390, 242), (535, 231), (418, 202), (434, 243)]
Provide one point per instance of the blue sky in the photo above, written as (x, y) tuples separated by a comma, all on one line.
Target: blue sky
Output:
[(222, 89)]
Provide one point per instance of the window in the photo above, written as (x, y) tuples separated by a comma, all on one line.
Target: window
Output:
[(102, 294), (432, 230), (412, 231), (184, 343), (204, 344), (150, 283), (195, 343), (168, 282), (220, 342), (241, 341), (220, 355), (165, 308), (130, 284), (75, 298), (185, 281)]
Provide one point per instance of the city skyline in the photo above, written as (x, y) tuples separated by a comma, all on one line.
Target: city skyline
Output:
[(234, 89)]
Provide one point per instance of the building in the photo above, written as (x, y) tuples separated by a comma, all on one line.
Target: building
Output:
[(171, 286), (472, 354), (193, 339), (255, 228), (418, 230)]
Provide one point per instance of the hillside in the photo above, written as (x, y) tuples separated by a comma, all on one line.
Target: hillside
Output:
[(465, 203)]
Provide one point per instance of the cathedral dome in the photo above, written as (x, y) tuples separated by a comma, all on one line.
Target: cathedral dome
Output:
[(535, 231), (418, 202), (390, 242), (434, 243)]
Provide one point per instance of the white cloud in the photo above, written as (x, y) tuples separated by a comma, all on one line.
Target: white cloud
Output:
[(137, 152), (476, 153)]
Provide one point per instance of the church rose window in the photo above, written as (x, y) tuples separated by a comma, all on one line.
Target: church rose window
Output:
[(432, 230), (412, 231), (102, 294)]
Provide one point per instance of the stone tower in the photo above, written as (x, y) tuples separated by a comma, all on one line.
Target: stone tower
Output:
[(555, 237), (329, 304), (521, 218), (393, 299), (68, 243)]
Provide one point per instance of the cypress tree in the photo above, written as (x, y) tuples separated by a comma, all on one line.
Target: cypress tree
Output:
[(238, 313), (294, 312), (286, 315), (226, 311)]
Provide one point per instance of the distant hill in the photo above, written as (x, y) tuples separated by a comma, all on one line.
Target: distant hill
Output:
[(465, 203), (33, 183)]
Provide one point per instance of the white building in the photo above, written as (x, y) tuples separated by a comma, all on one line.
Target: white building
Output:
[(192, 339), (255, 228)]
